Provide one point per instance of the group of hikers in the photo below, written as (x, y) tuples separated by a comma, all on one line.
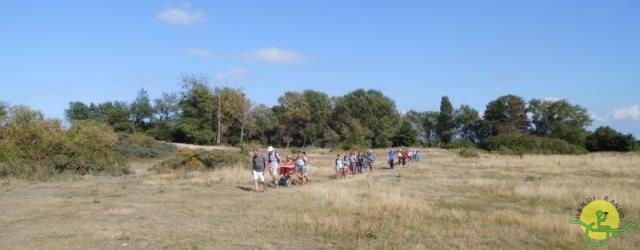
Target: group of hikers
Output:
[(402, 157), (272, 163), (356, 162)]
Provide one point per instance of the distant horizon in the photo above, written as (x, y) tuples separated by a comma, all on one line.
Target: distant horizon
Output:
[(414, 52)]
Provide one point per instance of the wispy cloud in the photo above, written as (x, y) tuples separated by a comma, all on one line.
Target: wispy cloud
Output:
[(181, 16), (277, 56), (202, 53), (233, 74), (552, 99), (597, 118), (632, 112)]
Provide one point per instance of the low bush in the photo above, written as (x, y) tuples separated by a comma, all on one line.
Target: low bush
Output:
[(530, 144), (197, 160), (34, 147), (460, 144), (468, 153), (142, 146)]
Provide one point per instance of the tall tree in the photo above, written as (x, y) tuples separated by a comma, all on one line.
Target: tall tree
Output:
[(466, 120), (141, 110), (608, 139), (416, 119), (366, 113), (261, 124), (294, 117), (559, 119), (117, 115), (164, 121), (446, 122), (320, 106), (430, 125), (405, 136), (232, 107), (195, 122), (507, 115)]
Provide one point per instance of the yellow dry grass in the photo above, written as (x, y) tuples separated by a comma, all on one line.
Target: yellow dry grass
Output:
[(444, 202)]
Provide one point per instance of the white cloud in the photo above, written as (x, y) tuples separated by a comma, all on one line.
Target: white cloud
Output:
[(632, 112), (203, 53), (597, 118), (552, 99), (181, 16), (233, 74), (277, 56)]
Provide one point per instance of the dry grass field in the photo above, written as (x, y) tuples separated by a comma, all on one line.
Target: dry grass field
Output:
[(444, 202)]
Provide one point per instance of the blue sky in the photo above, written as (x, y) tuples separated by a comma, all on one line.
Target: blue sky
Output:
[(54, 52)]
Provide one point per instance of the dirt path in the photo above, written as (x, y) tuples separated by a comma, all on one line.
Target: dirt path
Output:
[(205, 147)]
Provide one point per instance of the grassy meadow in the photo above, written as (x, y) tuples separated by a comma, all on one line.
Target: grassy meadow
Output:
[(444, 202)]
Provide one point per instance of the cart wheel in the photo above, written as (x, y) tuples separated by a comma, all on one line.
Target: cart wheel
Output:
[(288, 181)]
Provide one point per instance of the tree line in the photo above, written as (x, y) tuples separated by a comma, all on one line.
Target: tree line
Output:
[(202, 114)]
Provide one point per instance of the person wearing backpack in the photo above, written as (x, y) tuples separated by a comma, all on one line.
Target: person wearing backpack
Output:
[(274, 163)]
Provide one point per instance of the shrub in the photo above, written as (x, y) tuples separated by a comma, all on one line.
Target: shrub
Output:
[(142, 146), (529, 144), (468, 153), (197, 160), (34, 147), (460, 144), (608, 139)]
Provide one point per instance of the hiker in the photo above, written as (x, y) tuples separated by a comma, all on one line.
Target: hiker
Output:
[(371, 158), (410, 155), (259, 165), (417, 156), (360, 163), (301, 166), (391, 158), (405, 157), (274, 163), (345, 163), (353, 160), (339, 166)]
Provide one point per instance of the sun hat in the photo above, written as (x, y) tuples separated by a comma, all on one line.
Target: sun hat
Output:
[(269, 149)]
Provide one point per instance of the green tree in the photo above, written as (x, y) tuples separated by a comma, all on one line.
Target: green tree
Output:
[(230, 121), (294, 116), (466, 120), (416, 119), (164, 121), (82, 111), (117, 115), (446, 123), (405, 136), (197, 114), (430, 125), (320, 106), (367, 117), (141, 110), (506, 115), (608, 139), (559, 119)]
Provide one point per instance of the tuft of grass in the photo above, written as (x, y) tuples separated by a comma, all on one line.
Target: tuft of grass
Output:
[(469, 153), (124, 237)]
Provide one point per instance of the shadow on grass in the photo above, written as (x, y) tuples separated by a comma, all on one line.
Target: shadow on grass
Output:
[(246, 189)]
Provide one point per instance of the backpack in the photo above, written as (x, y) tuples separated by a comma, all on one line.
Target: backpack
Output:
[(274, 153)]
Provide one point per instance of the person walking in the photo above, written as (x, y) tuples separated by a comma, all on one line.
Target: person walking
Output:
[(274, 163), (339, 166), (391, 158), (301, 166), (259, 165)]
